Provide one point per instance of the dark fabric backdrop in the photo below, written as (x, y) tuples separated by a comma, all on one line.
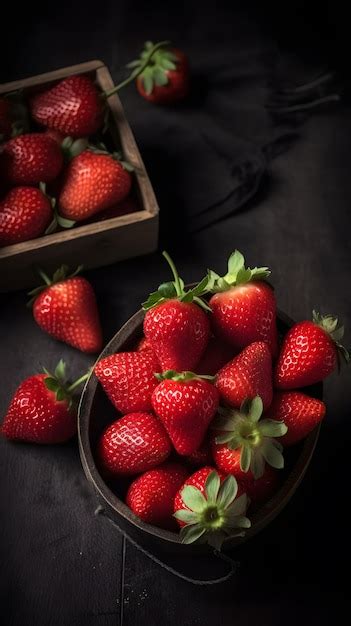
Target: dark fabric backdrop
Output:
[(60, 565)]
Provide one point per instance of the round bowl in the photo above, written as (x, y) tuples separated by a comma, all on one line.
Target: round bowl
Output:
[(96, 411)]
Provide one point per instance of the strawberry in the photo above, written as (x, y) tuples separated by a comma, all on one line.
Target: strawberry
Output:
[(55, 135), (164, 76), (175, 324), (310, 352), (129, 379), (42, 410), (73, 107), (65, 308), (216, 355), (202, 456), (299, 412), (248, 375), (134, 443), (93, 182), (245, 441), (25, 213), (261, 489), (30, 159), (127, 206), (243, 305), (5, 119), (143, 344), (210, 507), (151, 495), (186, 404)]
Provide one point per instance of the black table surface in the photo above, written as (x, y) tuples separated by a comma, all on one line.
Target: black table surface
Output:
[(61, 565)]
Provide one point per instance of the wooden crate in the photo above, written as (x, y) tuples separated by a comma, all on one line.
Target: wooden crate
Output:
[(99, 243)]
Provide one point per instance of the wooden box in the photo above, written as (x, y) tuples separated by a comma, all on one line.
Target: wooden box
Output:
[(99, 243)]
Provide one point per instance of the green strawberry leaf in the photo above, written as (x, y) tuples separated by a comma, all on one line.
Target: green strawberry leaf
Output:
[(193, 498), (212, 486), (227, 492), (191, 533), (184, 515)]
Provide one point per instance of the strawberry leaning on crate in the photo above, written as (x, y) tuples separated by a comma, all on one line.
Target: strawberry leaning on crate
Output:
[(30, 159), (244, 441), (310, 352), (25, 213), (128, 379), (176, 324), (132, 444), (299, 412), (243, 305), (186, 404), (210, 507), (93, 181), (73, 107), (65, 307), (151, 495), (42, 409)]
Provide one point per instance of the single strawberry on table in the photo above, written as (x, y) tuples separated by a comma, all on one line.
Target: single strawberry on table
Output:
[(30, 159), (151, 495), (25, 213), (132, 444), (128, 379), (244, 441), (175, 323), (186, 404), (42, 409), (248, 375), (310, 352), (65, 307), (299, 412), (243, 305), (210, 507)]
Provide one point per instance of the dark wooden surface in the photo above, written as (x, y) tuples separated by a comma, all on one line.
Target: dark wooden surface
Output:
[(59, 564)]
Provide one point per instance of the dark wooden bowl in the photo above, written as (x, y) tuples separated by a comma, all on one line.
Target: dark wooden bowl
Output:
[(96, 411)]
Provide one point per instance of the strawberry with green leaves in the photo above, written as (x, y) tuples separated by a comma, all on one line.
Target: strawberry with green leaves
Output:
[(243, 305), (248, 375), (42, 409), (210, 508), (65, 308), (25, 213), (128, 379), (299, 412), (186, 404), (132, 444), (151, 495), (30, 159), (246, 442), (310, 352), (176, 324)]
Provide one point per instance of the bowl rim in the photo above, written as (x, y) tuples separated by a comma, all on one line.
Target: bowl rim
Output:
[(259, 519)]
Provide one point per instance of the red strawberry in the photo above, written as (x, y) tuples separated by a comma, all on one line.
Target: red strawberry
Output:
[(25, 213), (244, 442), (127, 206), (310, 352), (165, 79), (129, 379), (93, 182), (262, 489), (5, 119), (143, 344), (176, 327), (73, 107), (55, 135), (210, 507), (300, 413), (248, 375), (65, 308), (30, 159), (243, 307), (41, 410), (151, 495), (202, 456), (134, 443), (216, 355), (185, 404)]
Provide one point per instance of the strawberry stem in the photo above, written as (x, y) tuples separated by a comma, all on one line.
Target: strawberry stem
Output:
[(139, 70), (177, 284), (78, 382)]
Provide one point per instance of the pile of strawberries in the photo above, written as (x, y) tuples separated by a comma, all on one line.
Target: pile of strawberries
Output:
[(55, 169), (211, 386)]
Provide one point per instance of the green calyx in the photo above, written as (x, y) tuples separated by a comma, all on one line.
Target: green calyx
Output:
[(73, 147), (215, 515), (154, 68), (330, 324), (175, 290), (57, 219), (57, 383), (61, 274), (100, 148), (255, 437), (237, 274), (183, 376)]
